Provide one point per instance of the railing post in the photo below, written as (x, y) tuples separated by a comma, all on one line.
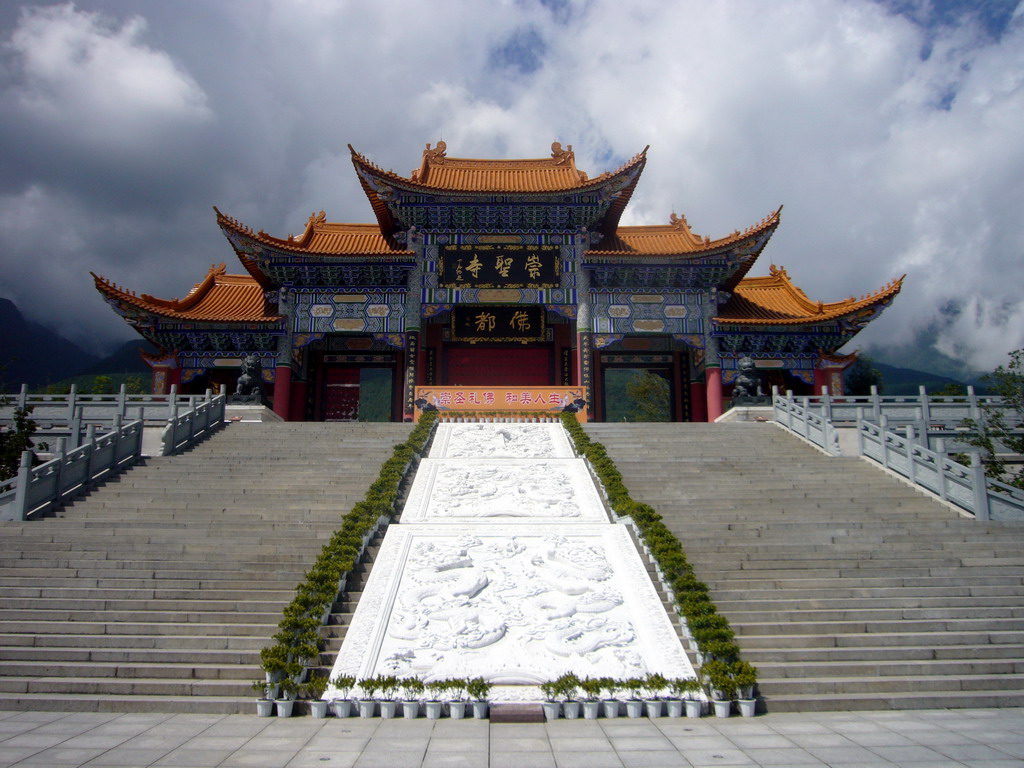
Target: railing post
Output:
[(117, 438), (940, 449), (172, 402), (826, 404), (76, 427), (122, 401), (789, 408), (59, 456), (911, 469), (90, 441), (883, 424), (979, 484), (23, 397), (972, 401), (21, 489), (876, 405), (72, 398), (922, 426), (926, 408), (860, 431)]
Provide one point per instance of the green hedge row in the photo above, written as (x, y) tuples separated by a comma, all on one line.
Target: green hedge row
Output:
[(710, 630), (297, 642)]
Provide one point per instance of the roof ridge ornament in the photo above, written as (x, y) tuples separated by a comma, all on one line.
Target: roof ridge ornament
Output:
[(317, 218), (438, 153), (562, 156)]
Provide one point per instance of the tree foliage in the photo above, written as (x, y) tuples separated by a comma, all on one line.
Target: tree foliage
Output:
[(1002, 425), (650, 397), (860, 376)]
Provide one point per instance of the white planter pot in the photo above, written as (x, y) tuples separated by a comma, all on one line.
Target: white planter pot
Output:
[(342, 707), (433, 709), (694, 707), (457, 709), (674, 708), (480, 709), (748, 707), (551, 710), (723, 707), (591, 709), (388, 709), (367, 707), (571, 710), (264, 707), (410, 709), (653, 707), (284, 707), (611, 707), (634, 708), (318, 708)]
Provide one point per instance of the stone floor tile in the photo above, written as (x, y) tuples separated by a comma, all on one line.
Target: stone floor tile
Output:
[(8, 727), (58, 756), (809, 740), (40, 717), (781, 756), (761, 741), (93, 741), (654, 758), (258, 758), (701, 742), (16, 754), (701, 757), (849, 754), (397, 743), (522, 760), (37, 740), (311, 758), (631, 729), (194, 758), (519, 730), (882, 737), (520, 744), (451, 759), (457, 744), (584, 759), (127, 757), (640, 743), (390, 759)]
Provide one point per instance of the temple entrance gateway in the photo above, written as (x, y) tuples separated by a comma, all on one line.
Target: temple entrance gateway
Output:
[(513, 272)]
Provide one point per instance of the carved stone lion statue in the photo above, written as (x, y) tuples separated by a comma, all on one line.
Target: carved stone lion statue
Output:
[(250, 382), (748, 383)]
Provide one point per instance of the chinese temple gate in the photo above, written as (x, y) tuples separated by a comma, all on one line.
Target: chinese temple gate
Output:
[(493, 273)]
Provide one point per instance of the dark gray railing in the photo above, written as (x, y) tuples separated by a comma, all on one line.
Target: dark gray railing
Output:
[(36, 490), (186, 428), (966, 487)]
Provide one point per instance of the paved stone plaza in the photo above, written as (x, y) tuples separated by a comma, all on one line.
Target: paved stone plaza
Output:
[(988, 738)]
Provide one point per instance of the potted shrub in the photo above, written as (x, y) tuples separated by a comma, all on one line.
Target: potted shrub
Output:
[(610, 686), (720, 685), (551, 705), (342, 705), (654, 685), (634, 704), (264, 704), (288, 689), (478, 689), (457, 698), (676, 694), (744, 676), (591, 687), (388, 690), (314, 689), (569, 688), (436, 689), (368, 687), (694, 702), (412, 689)]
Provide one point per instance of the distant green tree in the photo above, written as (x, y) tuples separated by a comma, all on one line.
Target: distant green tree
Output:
[(1002, 424), (102, 385), (650, 397), (134, 385), (16, 438), (861, 376), (952, 390)]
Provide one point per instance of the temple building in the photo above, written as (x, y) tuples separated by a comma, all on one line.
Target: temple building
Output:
[(493, 272)]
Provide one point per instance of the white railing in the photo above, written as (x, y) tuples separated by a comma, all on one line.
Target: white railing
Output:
[(797, 416), (36, 490), (944, 411), (966, 487), (184, 429)]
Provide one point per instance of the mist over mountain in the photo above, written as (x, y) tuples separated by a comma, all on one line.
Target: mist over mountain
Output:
[(33, 354)]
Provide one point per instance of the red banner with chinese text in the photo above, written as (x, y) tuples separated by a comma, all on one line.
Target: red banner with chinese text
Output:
[(483, 400)]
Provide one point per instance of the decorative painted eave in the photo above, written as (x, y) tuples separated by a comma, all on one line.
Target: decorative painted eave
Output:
[(218, 298), (319, 239), (775, 301), (677, 239), (468, 179)]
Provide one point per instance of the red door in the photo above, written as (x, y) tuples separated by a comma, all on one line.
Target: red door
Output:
[(473, 367), (341, 394)]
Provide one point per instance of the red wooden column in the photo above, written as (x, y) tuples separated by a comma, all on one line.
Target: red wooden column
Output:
[(821, 378), (714, 391), (698, 401), (282, 390)]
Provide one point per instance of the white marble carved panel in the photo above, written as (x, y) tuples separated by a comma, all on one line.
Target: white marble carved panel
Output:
[(503, 490), (515, 606), (500, 441)]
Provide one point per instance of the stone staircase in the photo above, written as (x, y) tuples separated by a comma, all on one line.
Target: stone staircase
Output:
[(847, 588), (157, 591)]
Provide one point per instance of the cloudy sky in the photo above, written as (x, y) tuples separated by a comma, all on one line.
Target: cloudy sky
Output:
[(891, 130)]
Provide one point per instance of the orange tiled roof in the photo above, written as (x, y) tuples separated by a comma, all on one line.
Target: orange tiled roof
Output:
[(322, 237), (218, 298), (774, 300), (437, 171), (673, 238)]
